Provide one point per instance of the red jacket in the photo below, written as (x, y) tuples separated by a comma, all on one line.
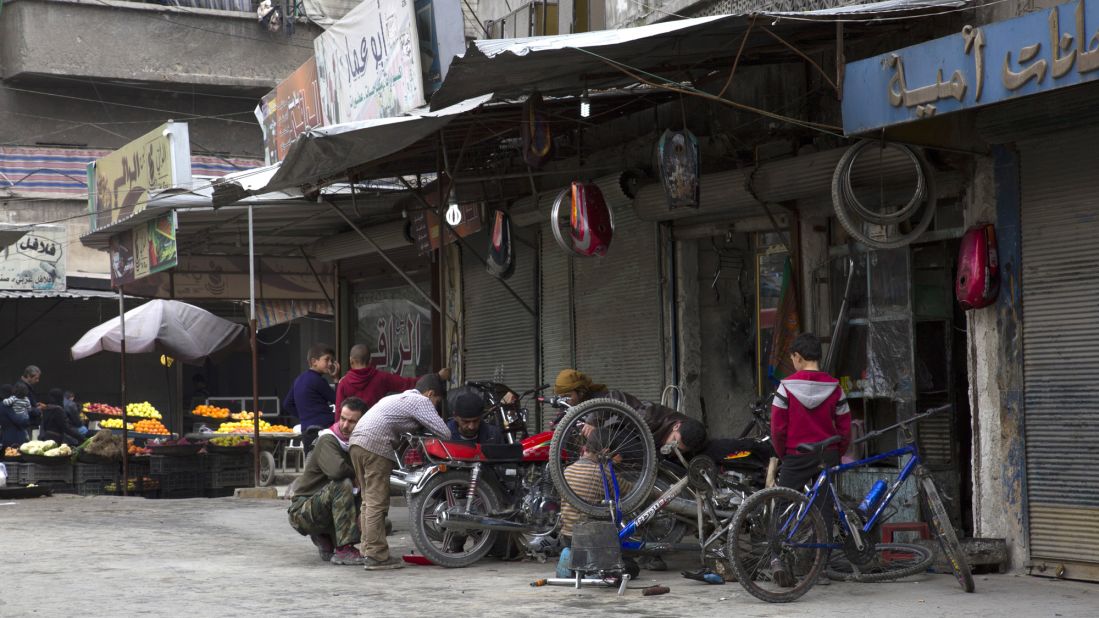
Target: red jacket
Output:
[(370, 385), (809, 407)]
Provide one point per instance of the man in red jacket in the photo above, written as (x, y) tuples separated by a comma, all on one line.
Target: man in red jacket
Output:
[(809, 406), (371, 384)]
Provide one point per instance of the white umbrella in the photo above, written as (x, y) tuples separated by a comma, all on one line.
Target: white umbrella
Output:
[(184, 332)]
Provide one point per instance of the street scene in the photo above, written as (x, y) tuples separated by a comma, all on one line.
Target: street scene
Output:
[(654, 307)]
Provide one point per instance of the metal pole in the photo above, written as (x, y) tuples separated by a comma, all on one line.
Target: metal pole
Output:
[(122, 381), (252, 338)]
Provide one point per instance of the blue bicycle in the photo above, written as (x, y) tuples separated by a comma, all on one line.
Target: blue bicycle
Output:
[(783, 545)]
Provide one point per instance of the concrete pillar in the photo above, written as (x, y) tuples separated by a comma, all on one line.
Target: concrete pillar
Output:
[(689, 326)]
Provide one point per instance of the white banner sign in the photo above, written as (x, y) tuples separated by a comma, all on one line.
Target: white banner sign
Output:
[(36, 261), (368, 63)]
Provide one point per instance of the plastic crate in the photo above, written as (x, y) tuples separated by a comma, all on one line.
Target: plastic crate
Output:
[(84, 472), (236, 477), (229, 461), (58, 487), (93, 488), (160, 464), (37, 473), (180, 484), (16, 472)]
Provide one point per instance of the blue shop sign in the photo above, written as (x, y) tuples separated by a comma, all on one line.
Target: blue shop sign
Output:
[(1037, 52)]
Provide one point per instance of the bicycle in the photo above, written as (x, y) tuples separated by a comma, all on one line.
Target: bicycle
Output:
[(782, 545)]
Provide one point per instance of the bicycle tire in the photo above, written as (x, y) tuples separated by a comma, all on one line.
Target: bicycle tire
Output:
[(643, 473), (840, 568), (748, 552), (948, 538)]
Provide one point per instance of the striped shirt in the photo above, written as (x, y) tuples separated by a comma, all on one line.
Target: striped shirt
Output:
[(585, 480), (380, 429)]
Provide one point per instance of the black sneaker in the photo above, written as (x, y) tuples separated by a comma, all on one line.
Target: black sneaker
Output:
[(390, 563)]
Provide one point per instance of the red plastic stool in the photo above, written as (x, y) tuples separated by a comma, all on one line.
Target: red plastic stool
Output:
[(888, 530)]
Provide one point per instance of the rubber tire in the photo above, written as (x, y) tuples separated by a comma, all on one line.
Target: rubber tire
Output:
[(926, 558), (948, 538), (641, 487), (266, 468), (489, 494), (745, 579)]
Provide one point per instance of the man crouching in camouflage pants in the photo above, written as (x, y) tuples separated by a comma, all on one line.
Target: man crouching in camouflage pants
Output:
[(324, 505)]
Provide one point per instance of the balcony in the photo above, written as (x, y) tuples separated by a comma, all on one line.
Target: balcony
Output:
[(136, 41)]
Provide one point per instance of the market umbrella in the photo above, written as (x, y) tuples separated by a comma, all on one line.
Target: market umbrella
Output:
[(184, 332)]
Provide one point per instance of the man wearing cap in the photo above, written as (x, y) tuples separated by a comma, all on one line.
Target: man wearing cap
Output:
[(468, 406), (666, 425)]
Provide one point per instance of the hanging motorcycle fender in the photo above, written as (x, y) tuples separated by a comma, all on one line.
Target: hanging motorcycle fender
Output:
[(978, 281), (591, 220)]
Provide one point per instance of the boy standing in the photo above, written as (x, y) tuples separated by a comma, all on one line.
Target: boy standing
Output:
[(312, 398)]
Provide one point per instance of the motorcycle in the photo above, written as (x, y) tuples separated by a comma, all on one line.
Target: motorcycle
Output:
[(463, 499)]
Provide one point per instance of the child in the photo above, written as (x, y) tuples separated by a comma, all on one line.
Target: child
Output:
[(19, 402), (809, 406)]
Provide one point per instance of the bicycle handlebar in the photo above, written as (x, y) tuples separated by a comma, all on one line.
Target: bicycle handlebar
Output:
[(878, 432)]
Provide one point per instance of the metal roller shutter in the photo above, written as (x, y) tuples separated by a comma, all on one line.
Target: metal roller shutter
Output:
[(555, 310), (501, 337), (617, 305), (1061, 350)]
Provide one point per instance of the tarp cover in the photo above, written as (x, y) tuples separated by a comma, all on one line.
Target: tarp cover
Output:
[(184, 332)]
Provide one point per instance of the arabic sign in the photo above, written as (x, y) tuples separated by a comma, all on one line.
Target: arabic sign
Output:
[(36, 261), (368, 63), (398, 333), (160, 159), (424, 226), (1037, 52), (289, 110), (218, 277), (148, 248)]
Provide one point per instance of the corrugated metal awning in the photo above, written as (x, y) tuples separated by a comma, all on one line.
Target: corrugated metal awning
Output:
[(70, 293)]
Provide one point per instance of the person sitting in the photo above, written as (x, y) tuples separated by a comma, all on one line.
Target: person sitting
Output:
[(55, 423), (370, 383), (311, 397), (372, 453), (666, 425), (468, 407), (323, 504), (72, 411), (13, 425)]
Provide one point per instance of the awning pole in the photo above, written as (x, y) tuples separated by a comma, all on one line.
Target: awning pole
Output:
[(122, 388), (252, 337)]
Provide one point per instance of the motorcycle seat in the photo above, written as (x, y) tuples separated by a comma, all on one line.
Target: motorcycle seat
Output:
[(817, 448), (502, 452)]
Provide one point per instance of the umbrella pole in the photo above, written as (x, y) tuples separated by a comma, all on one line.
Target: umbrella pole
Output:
[(122, 381), (255, 351)]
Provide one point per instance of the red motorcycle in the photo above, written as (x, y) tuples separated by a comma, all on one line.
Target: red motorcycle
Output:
[(464, 500)]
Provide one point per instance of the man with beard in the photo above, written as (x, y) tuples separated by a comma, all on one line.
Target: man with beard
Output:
[(468, 407)]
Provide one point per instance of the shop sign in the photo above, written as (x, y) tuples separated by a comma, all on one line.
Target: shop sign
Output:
[(424, 226), (218, 277), (36, 261), (145, 249), (398, 333), (1038, 52), (292, 108), (124, 179), (368, 63)]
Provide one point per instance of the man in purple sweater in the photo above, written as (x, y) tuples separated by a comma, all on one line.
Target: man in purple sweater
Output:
[(311, 397)]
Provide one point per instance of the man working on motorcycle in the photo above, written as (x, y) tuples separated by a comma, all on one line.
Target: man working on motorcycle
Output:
[(323, 503), (666, 425), (468, 407), (372, 448)]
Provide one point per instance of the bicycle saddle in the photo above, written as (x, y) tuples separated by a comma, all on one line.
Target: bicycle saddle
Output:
[(817, 448)]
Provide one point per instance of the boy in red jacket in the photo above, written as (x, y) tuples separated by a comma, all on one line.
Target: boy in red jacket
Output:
[(371, 384), (809, 406)]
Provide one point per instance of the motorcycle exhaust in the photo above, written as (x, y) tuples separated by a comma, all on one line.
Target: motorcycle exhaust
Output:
[(461, 521), (685, 507)]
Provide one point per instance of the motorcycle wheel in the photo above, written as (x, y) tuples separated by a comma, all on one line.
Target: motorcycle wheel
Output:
[(623, 435), (448, 492)]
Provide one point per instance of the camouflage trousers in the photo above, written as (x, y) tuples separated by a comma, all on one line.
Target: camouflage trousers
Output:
[(332, 510)]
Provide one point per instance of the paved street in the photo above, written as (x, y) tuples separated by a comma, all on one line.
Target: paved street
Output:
[(68, 556)]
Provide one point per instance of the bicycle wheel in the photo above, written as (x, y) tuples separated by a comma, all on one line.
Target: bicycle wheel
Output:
[(948, 538), (626, 447), (771, 562), (881, 562)]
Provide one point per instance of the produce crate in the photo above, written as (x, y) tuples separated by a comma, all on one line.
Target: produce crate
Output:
[(58, 487), (37, 473), (83, 472), (229, 461), (16, 472), (160, 464), (235, 477), (180, 484), (93, 488), (137, 467)]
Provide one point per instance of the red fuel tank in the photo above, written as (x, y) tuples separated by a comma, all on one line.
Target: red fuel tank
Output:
[(978, 281)]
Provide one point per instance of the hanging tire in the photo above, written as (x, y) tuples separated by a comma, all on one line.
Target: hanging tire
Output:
[(448, 492), (626, 442), (881, 562), (948, 538), (769, 562)]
